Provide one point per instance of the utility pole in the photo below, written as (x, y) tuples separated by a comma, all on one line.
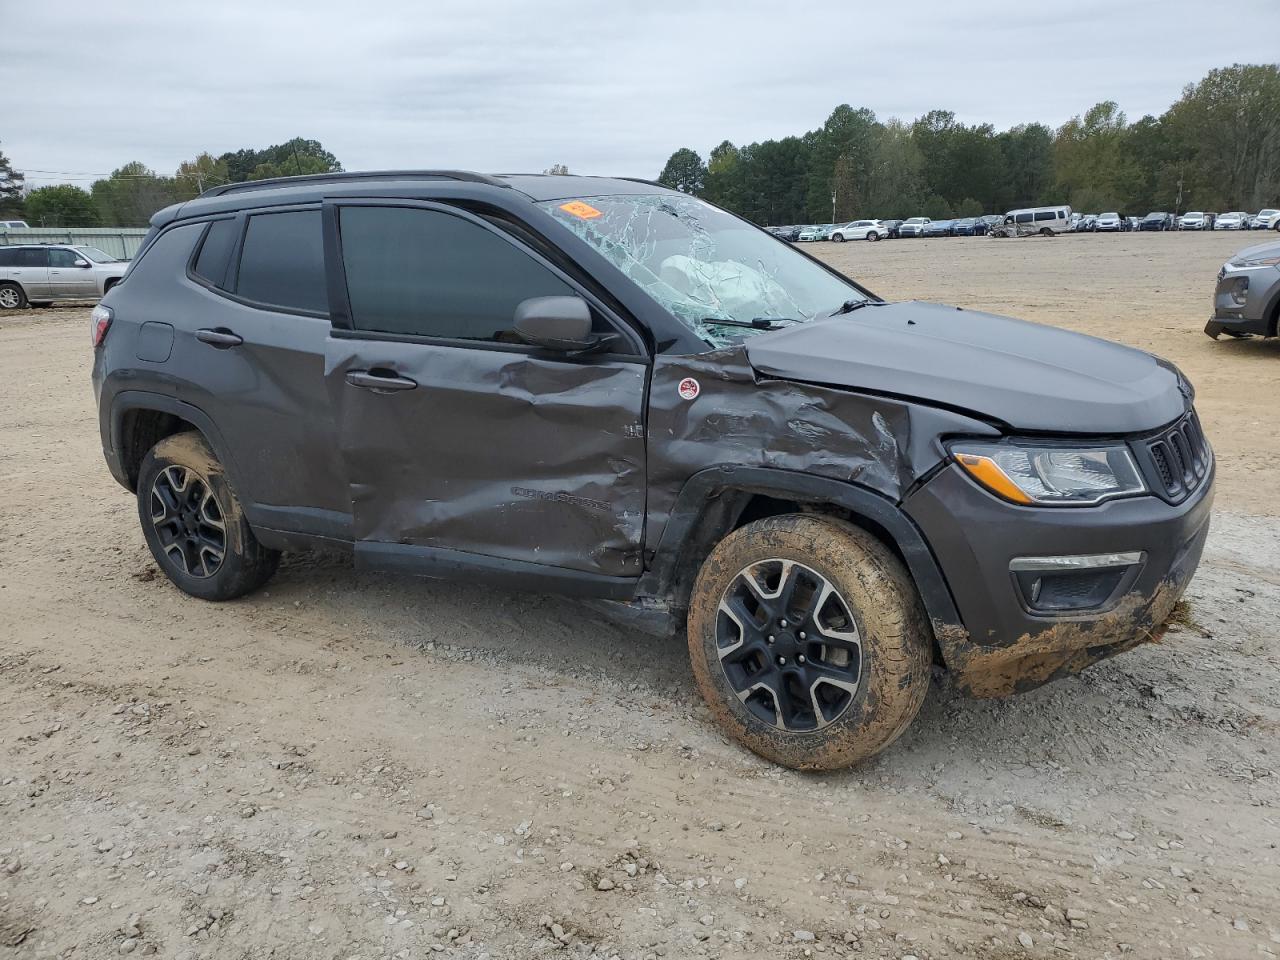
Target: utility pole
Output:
[(1177, 205), (833, 205)]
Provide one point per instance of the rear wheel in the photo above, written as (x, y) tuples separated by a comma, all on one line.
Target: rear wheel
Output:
[(194, 524), (1046, 232), (12, 297), (808, 641), (873, 236)]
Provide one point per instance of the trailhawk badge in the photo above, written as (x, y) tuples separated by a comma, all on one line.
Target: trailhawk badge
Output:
[(688, 389)]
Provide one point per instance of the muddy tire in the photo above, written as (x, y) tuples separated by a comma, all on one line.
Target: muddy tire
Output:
[(194, 524), (808, 641)]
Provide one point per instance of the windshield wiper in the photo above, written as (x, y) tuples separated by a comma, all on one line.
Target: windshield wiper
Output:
[(756, 323), (851, 305)]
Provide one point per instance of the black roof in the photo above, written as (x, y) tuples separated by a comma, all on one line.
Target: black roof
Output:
[(403, 183), (538, 186)]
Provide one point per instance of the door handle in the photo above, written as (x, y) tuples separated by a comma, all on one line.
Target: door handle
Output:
[(221, 338), (379, 379)]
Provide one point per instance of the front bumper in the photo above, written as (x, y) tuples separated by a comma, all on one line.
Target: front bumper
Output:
[(1252, 316), (1006, 646)]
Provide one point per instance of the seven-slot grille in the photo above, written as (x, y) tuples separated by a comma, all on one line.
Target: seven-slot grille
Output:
[(1179, 457)]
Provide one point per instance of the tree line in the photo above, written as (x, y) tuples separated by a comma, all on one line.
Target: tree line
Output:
[(132, 193), (1216, 148)]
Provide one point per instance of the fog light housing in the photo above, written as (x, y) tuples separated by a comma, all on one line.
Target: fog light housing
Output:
[(1054, 586), (1240, 291)]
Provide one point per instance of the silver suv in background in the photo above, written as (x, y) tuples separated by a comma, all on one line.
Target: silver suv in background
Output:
[(1247, 298), (41, 274)]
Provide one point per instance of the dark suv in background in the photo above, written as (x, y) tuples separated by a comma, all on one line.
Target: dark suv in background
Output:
[(605, 388)]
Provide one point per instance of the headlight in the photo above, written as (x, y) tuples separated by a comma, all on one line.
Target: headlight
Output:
[(1050, 475), (1261, 260)]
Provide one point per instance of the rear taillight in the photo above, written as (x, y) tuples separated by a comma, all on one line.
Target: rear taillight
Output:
[(99, 324)]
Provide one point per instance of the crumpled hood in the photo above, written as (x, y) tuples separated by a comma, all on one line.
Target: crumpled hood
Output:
[(1026, 375)]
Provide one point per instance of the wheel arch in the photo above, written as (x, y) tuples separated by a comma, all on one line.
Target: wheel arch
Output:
[(718, 500), (140, 420)]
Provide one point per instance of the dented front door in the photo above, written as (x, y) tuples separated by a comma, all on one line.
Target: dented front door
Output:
[(501, 453)]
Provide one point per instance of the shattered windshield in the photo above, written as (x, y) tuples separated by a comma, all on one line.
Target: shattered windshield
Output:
[(705, 265)]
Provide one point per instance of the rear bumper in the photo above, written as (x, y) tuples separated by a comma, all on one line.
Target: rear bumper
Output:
[(1006, 645)]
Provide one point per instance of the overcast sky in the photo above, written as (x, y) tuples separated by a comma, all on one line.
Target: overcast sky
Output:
[(605, 87)]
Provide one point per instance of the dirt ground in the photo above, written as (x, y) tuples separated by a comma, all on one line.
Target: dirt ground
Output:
[(362, 767)]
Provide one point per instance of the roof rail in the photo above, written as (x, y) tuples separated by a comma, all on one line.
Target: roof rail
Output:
[(317, 178)]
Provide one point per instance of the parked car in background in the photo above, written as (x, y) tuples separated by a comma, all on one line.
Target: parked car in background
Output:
[(1193, 220), (859, 230), (1109, 223), (891, 228), (1157, 221), (42, 274), (1236, 220), (1246, 300), (919, 488), (1034, 221), (913, 227), (14, 225), (1265, 220), (937, 228), (1086, 223), (810, 233), (964, 227), (1135, 223), (982, 226)]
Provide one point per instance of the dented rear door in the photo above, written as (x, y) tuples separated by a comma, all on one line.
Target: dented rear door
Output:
[(454, 436)]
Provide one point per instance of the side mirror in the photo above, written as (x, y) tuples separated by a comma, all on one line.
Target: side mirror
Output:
[(82, 263), (558, 323)]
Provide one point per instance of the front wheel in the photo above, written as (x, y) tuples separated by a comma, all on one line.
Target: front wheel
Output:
[(808, 641), (194, 523), (838, 237)]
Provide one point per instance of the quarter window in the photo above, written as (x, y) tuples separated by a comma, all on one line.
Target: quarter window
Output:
[(282, 262), (432, 274), (215, 252)]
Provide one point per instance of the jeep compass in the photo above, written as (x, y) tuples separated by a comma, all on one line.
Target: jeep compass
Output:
[(605, 388)]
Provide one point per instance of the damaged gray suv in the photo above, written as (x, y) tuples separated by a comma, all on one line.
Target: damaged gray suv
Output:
[(605, 388)]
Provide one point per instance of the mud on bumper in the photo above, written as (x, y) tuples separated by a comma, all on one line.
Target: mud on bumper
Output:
[(1002, 647)]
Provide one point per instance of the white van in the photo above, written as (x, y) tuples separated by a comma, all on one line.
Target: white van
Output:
[(1027, 222)]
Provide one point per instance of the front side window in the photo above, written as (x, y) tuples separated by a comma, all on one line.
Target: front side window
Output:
[(62, 258), (703, 264), (432, 274), (96, 255), (282, 262)]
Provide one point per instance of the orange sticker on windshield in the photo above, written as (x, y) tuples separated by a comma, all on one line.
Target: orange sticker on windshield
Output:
[(579, 209)]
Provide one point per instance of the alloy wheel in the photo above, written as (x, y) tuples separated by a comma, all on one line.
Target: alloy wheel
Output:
[(188, 521), (788, 645), (9, 298)]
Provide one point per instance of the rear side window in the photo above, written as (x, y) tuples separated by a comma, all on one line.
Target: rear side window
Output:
[(8, 258), (432, 274), (215, 252), (1046, 215), (282, 262)]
